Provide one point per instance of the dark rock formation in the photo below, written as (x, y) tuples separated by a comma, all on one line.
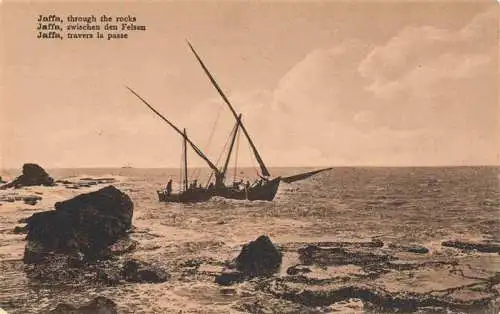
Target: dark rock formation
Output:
[(259, 258), (85, 182), (88, 223), (31, 200), (374, 243), (485, 247), (20, 230), (99, 305), (32, 175), (229, 277), (417, 249), (138, 271), (376, 299), (27, 199), (313, 254)]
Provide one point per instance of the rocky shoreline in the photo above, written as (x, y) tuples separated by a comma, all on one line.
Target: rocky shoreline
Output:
[(89, 242)]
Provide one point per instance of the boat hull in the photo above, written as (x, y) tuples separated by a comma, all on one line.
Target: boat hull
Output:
[(190, 196), (265, 192)]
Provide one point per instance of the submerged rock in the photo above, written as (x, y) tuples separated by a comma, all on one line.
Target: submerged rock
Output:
[(20, 230), (27, 199), (88, 223), (228, 277), (297, 269), (99, 305), (259, 258), (31, 200), (138, 271), (314, 254), (32, 175), (485, 247), (413, 248)]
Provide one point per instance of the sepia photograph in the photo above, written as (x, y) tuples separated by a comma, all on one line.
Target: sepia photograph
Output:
[(259, 156)]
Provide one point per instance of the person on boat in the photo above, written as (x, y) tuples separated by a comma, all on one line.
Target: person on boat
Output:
[(169, 187), (211, 186), (247, 185), (199, 186), (257, 183), (193, 185)]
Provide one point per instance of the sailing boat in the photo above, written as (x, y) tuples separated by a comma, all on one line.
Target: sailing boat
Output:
[(262, 190), (187, 194), (267, 187)]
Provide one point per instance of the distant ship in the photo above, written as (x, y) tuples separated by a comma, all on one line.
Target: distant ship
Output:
[(264, 187)]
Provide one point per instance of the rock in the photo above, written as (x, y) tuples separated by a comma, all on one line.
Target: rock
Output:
[(89, 223), (413, 248), (32, 175), (64, 181), (373, 243), (99, 305), (20, 230), (31, 200), (228, 291), (259, 258), (109, 276), (138, 271), (417, 249), (297, 269), (57, 268), (228, 278), (375, 299), (191, 263), (313, 254), (122, 246), (485, 247)]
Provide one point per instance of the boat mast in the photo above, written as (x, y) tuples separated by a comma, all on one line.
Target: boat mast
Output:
[(185, 162), (195, 148), (263, 168), (235, 133)]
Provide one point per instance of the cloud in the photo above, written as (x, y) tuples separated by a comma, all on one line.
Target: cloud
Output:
[(415, 99)]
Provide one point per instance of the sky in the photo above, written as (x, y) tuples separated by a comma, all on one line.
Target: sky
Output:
[(323, 83)]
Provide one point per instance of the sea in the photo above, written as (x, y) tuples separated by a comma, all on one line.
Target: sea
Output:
[(424, 205)]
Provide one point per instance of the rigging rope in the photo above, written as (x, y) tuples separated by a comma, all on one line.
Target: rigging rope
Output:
[(197, 171), (253, 159), (213, 128)]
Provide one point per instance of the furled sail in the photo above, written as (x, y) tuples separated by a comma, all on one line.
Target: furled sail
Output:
[(263, 168)]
